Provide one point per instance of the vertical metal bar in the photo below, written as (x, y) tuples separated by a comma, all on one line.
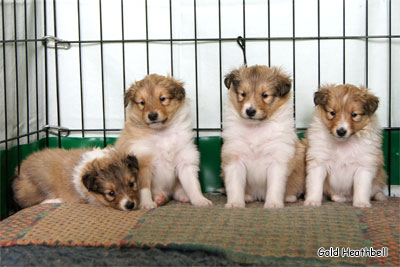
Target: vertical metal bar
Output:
[(344, 41), (390, 99), (319, 44), (56, 66), (294, 62), (196, 74), (36, 75), (80, 68), (26, 72), (102, 75), (170, 36), (123, 52), (8, 185), (147, 38), (46, 81), (244, 29), (366, 44), (16, 83), (220, 65), (269, 34)]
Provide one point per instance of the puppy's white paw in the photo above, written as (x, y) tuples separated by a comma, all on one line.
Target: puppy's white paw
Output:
[(249, 198), (312, 203), (201, 202), (148, 205), (235, 205), (338, 198), (361, 204), (291, 198), (273, 205)]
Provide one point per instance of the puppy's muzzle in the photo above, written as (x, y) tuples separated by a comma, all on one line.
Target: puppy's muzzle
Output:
[(153, 116), (130, 205), (251, 112)]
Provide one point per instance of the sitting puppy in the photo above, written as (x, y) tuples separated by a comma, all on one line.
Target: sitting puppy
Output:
[(96, 176), (158, 131), (259, 138), (344, 158)]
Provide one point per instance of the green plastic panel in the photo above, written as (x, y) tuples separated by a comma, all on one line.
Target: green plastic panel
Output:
[(210, 160)]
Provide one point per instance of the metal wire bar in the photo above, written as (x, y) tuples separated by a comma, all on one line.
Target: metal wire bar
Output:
[(17, 84), (389, 165), (80, 68), (195, 66), (57, 76), (171, 39), (220, 64), (46, 77), (344, 41), (26, 71), (319, 43), (294, 59), (36, 74), (123, 53), (102, 72), (147, 37), (366, 43)]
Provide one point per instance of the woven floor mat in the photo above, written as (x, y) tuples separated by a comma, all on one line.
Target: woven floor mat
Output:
[(290, 235)]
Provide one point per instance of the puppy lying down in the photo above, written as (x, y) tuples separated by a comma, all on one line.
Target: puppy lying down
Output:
[(101, 177)]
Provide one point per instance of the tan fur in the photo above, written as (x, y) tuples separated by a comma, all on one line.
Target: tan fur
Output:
[(248, 84), (49, 174), (345, 100), (295, 186)]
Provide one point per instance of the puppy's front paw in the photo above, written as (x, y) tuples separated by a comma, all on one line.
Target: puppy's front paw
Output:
[(249, 198), (273, 205), (338, 198), (201, 202), (312, 203), (235, 205), (291, 198), (360, 204), (148, 205)]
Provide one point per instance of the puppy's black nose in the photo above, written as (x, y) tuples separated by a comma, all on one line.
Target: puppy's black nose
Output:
[(130, 205), (153, 116), (251, 112), (341, 132)]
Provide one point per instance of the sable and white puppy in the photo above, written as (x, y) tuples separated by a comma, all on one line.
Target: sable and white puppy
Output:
[(259, 137), (158, 131), (344, 158), (102, 177)]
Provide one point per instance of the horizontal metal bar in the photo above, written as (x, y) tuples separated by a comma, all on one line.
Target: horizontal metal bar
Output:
[(233, 39), (21, 136)]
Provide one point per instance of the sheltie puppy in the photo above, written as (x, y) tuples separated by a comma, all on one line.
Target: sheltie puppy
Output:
[(259, 138), (158, 131), (102, 177), (344, 158)]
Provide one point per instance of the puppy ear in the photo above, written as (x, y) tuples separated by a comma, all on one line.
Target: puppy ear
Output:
[(178, 90), (284, 84), (321, 97), (371, 103), (132, 162), (129, 95), (89, 180), (232, 79)]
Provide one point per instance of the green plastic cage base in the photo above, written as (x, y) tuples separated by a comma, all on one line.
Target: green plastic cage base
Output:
[(210, 160)]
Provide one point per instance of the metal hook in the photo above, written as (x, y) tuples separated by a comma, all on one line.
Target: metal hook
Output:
[(242, 43), (53, 42), (58, 130)]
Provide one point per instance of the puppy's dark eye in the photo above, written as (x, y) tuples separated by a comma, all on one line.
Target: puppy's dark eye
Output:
[(243, 94), (264, 95), (333, 113), (111, 193), (162, 98), (131, 184), (354, 114), (142, 102)]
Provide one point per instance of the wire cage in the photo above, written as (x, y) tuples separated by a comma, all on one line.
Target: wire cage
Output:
[(66, 64)]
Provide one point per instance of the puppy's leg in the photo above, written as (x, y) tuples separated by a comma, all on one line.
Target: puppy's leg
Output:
[(146, 201), (188, 176), (179, 194), (314, 185), (187, 170), (235, 184), (160, 198), (276, 185), (362, 188)]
